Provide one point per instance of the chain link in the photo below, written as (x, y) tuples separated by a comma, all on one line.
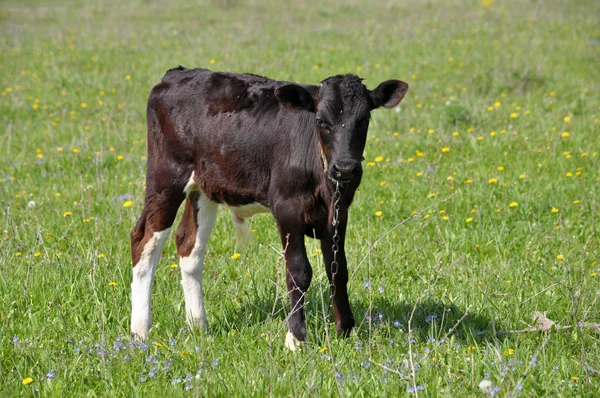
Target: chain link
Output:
[(336, 237)]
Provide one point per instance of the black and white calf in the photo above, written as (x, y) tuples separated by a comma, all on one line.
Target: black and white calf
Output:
[(255, 145)]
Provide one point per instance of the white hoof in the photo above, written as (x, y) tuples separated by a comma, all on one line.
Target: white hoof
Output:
[(197, 322), (291, 342), (140, 328)]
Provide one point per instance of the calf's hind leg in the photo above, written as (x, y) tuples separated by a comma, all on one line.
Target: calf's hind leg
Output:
[(192, 238), (147, 241)]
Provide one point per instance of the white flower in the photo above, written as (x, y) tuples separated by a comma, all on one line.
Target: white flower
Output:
[(31, 204), (485, 385)]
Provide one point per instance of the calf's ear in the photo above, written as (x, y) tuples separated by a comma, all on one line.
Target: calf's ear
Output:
[(295, 97), (389, 93)]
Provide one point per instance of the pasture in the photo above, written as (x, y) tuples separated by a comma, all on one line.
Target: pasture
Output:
[(478, 206)]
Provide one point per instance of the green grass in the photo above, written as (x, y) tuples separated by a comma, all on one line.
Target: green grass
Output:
[(497, 83)]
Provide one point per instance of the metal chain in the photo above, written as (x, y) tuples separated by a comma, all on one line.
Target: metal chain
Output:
[(336, 237)]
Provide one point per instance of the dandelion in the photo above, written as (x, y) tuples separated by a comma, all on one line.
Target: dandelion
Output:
[(576, 202), (480, 138), (509, 352), (560, 257), (575, 379), (378, 214), (120, 157), (513, 204), (212, 61), (83, 105), (569, 174), (127, 203), (112, 284), (379, 159), (492, 180), (382, 183), (554, 210), (468, 220), (500, 168), (27, 380), (128, 77), (593, 274), (67, 214), (174, 265), (567, 119), (323, 350), (445, 149), (235, 256), (565, 134), (455, 134), (514, 115), (37, 254), (522, 176), (75, 150), (157, 345)]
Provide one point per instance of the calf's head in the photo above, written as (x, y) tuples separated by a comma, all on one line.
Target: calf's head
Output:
[(342, 107)]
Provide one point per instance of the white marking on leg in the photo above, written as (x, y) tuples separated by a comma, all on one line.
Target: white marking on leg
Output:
[(141, 287), (191, 184), (192, 266), (242, 231), (292, 342), (239, 215)]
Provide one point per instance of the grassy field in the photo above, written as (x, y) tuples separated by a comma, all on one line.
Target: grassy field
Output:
[(479, 204)]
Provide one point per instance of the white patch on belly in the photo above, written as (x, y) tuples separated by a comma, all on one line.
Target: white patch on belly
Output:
[(191, 185), (246, 211)]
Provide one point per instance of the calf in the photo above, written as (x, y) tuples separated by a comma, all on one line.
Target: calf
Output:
[(255, 145)]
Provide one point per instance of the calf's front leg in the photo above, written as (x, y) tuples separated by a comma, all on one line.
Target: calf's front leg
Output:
[(297, 277)]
